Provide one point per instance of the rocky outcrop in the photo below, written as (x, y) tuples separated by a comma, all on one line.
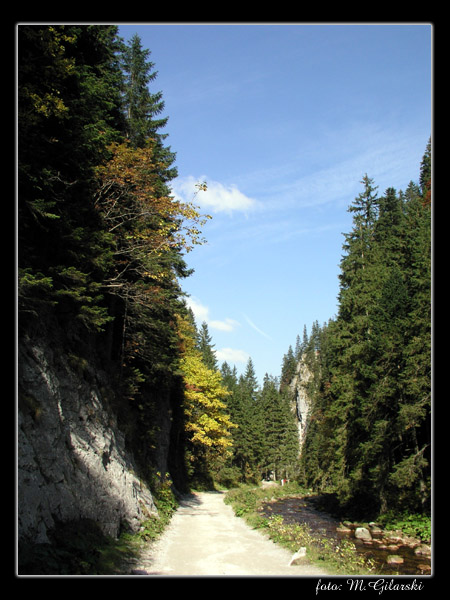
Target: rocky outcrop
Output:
[(71, 456), (392, 547)]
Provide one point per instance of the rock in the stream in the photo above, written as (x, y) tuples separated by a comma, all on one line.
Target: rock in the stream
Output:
[(423, 550), (342, 529), (361, 533), (424, 569), (375, 530), (267, 484), (394, 559)]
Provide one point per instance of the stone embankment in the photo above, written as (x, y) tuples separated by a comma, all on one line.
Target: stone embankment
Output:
[(392, 551), (396, 547)]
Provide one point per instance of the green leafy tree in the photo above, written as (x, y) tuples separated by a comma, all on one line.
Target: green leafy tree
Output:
[(207, 422)]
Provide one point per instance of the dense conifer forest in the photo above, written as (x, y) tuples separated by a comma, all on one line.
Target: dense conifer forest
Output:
[(102, 253), (369, 432)]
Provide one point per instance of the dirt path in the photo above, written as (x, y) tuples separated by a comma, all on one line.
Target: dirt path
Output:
[(204, 537)]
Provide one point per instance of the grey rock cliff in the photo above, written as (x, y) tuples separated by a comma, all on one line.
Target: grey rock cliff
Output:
[(299, 392), (71, 457)]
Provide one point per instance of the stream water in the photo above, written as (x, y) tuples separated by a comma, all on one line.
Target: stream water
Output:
[(302, 510)]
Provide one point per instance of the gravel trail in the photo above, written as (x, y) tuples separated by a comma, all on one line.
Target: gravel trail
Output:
[(205, 538)]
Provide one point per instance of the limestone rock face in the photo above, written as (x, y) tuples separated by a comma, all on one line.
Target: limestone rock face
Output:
[(71, 457), (298, 387)]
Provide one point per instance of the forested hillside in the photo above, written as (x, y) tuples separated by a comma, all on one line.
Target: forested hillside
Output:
[(101, 242), (368, 435), (102, 253)]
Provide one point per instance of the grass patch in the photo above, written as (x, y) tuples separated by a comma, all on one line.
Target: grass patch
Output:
[(337, 557)]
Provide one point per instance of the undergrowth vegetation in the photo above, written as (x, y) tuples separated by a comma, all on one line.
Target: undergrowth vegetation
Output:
[(414, 525)]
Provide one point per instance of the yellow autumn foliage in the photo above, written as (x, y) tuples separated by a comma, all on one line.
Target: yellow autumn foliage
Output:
[(207, 421)]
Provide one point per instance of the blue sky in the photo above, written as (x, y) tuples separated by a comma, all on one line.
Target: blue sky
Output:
[(282, 121)]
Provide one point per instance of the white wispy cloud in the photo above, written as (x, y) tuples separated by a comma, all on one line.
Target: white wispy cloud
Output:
[(232, 355), (201, 314), (217, 198), (226, 325), (336, 162), (260, 331)]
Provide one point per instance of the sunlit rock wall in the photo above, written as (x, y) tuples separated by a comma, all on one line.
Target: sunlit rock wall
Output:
[(71, 459)]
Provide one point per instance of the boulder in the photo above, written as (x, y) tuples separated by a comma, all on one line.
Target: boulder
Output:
[(423, 550), (425, 569), (343, 530), (394, 538), (394, 559), (299, 557), (268, 484), (361, 533), (375, 530)]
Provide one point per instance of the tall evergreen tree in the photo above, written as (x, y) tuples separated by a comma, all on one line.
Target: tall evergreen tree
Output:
[(250, 381), (143, 107), (368, 436), (280, 436), (206, 347), (245, 411), (229, 376), (68, 114), (425, 174), (288, 368)]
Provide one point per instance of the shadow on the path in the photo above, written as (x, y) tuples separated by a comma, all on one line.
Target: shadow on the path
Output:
[(193, 500), (189, 501)]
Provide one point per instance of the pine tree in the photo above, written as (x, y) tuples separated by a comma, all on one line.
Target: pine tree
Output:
[(425, 175), (68, 114), (288, 369), (229, 377), (280, 449), (206, 347), (142, 107), (413, 470), (245, 411), (250, 380), (368, 436), (298, 349)]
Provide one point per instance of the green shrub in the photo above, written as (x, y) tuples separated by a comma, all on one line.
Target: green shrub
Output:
[(414, 525)]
